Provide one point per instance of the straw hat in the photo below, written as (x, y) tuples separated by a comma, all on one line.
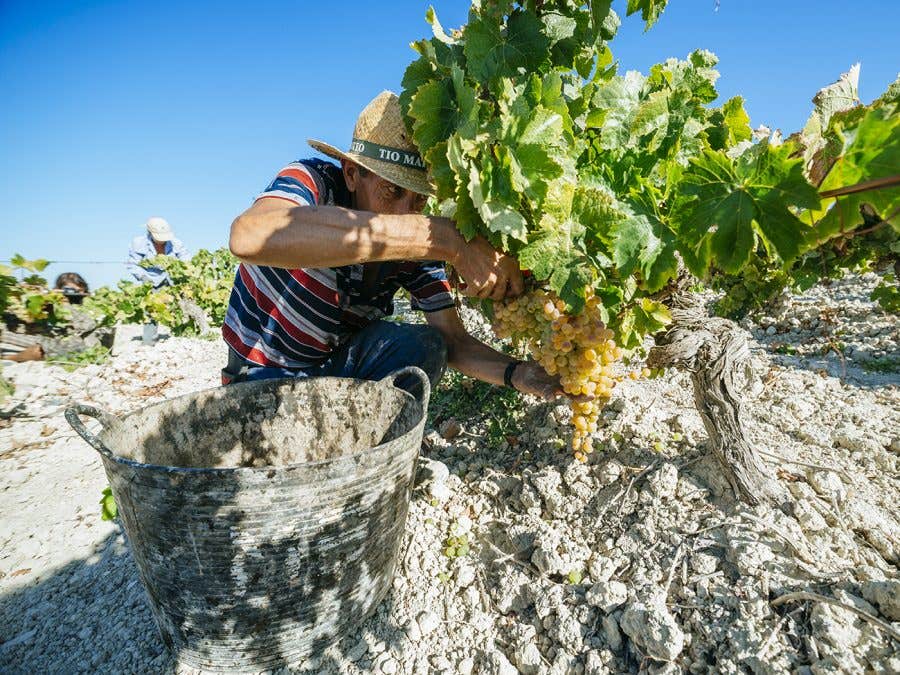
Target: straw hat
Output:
[(382, 144)]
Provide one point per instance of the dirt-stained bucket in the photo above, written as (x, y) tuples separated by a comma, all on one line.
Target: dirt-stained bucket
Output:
[(264, 517)]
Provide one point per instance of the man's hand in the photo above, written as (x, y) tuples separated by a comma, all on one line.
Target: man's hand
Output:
[(530, 378), (487, 272)]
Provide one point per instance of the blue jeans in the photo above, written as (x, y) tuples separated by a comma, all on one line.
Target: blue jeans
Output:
[(371, 354)]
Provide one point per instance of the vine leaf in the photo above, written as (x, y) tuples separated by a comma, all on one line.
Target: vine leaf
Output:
[(737, 201)]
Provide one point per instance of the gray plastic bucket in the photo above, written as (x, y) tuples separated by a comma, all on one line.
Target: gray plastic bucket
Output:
[(265, 517)]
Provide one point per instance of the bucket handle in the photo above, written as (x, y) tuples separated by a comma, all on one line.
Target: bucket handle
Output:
[(390, 379), (106, 420)]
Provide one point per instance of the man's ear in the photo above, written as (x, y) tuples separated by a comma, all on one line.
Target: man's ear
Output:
[(351, 174)]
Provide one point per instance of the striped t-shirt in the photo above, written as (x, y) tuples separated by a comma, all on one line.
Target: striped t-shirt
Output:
[(293, 318)]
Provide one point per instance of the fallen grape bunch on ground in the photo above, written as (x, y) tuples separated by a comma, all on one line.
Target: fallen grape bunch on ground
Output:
[(521, 558)]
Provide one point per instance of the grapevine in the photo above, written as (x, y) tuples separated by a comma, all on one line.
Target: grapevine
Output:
[(608, 186), (205, 281), (30, 300)]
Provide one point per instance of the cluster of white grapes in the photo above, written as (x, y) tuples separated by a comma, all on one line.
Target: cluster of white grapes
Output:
[(579, 348)]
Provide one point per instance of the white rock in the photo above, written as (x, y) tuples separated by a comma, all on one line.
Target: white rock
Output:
[(828, 484), (388, 666), (546, 556), (607, 595), (608, 472), (431, 471), (808, 517), (412, 631), (465, 575), (593, 664), (664, 480), (463, 525), (528, 658), (885, 595), (498, 664), (466, 666), (359, 650), (600, 568), (704, 563), (441, 663), (439, 491), (836, 625), (654, 630), (749, 556), (428, 622), (855, 441)]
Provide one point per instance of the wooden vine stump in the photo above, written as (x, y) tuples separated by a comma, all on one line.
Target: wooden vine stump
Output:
[(716, 353)]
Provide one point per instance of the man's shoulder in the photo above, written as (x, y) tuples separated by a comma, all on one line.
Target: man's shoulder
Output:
[(329, 178), (139, 241)]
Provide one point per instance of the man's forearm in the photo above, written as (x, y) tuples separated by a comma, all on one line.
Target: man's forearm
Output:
[(331, 236), (474, 358)]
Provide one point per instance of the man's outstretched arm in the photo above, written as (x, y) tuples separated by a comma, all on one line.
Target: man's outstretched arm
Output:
[(277, 233), (472, 357)]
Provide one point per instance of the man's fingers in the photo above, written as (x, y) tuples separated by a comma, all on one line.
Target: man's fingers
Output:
[(499, 291), (516, 284)]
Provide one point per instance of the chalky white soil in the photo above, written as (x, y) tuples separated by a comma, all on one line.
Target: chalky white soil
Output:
[(640, 560)]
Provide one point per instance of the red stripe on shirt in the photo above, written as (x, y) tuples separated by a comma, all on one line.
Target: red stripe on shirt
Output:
[(304, 178), (269, 307), (316, 287), (250, 353)]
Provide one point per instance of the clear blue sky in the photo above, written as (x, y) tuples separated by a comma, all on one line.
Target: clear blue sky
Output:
[(113, 112)]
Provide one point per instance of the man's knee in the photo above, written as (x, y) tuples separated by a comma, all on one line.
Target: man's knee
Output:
[(430, 351)]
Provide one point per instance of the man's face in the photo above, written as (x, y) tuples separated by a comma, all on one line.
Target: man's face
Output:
[(373, 193)]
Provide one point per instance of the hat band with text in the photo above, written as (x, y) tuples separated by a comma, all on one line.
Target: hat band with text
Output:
[(384, 153)]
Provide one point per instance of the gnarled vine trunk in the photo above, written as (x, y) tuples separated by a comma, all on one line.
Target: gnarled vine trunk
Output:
[(716, 354)]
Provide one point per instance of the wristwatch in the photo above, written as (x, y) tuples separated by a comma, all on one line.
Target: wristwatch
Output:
[(508, 374)]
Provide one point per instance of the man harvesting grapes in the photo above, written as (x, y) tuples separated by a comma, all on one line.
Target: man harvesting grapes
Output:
[(324, 249)]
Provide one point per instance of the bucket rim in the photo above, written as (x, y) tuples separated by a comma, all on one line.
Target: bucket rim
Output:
[(109, 455)]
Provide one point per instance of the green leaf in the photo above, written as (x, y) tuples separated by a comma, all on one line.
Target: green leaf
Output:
[(644, 244), (729, 125), (543, 127), (533, 169), (490, 54), (870, 150), (604, 21), (558, 26), (570, 283), (838, 96), (652, 115), (503, 219), (417, 73), (613, 107), (548, 250), (650, 10), (435, 114), (440, 171), (891, 94), (108, 508), (736, 202)]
